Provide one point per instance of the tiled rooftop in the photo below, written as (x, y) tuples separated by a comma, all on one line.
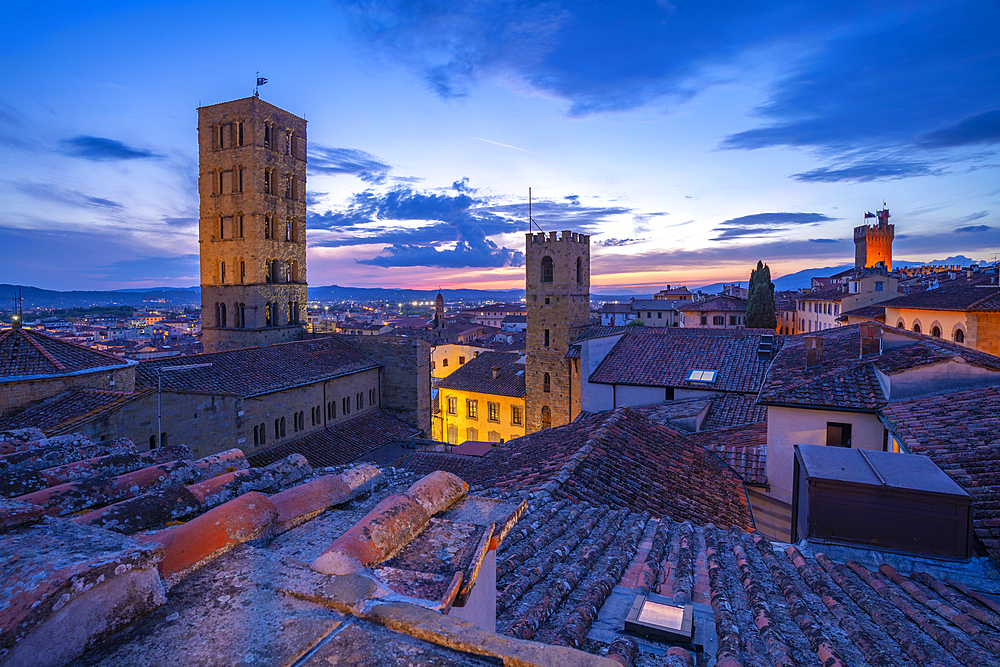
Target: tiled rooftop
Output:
[(960, 432), (743, 448), (618, 457), (732, 410), (258, 370), (31, 352), (291, 566), (982, 298), (64, 412), (666, 360), (342, 442), (477, 375), (845, 379), (874, 312)]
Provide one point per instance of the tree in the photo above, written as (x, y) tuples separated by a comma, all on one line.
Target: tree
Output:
[(760, 300)]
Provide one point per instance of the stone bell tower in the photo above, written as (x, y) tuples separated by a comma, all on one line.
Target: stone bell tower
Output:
[(252, 226), (557, 284)]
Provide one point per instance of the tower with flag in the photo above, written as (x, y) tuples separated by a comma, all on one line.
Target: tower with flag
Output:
[(873, 242)]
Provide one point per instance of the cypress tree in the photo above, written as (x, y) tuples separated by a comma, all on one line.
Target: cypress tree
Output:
[(760, 300)]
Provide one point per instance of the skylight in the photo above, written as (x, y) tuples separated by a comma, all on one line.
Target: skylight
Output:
[(701, 375), (661, 619)]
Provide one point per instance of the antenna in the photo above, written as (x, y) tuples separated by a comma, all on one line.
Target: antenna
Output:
[(531, 221)]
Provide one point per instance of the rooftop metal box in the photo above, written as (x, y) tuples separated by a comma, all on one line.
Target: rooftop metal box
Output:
[(883, 500)]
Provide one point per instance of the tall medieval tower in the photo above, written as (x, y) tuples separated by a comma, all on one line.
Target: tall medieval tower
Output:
[(873, 243), (252, 228), (557, 282)]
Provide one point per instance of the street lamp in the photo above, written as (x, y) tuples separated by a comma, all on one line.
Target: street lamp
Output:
[(159, 385)]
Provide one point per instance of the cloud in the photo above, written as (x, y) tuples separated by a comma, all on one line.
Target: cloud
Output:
[(367, 167), (151, 268), (983, 128), (617, 243), (100, 149), (870, 170), (823, 241), (53, 194), (760, 224), (973, 217), (497, 143), (561, 215), (399, 217), (973, 229), (180, 221)]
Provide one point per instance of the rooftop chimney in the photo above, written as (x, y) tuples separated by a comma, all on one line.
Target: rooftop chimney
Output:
[(496, 372), (871, 338), (814, 351)]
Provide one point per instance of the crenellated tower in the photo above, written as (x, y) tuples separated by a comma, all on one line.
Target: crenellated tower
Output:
[(873, 243), (252, 227), (557, 285)]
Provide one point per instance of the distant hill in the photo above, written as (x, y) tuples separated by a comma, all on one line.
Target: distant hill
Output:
[(338, 293), (35, 297)]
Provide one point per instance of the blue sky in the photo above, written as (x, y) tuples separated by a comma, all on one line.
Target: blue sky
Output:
[(690, 138)]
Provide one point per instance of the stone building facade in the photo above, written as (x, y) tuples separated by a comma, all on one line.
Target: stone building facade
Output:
[(557, 283), (252, 227)]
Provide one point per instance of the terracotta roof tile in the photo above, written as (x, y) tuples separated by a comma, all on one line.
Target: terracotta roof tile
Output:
[(31, 352), (973, 298), (721, 302), (343, 442), (665, 361), (258, 370), (743, 448), (66, 411), (477, 375)]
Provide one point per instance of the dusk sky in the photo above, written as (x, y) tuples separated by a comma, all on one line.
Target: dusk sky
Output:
[(690, 138)]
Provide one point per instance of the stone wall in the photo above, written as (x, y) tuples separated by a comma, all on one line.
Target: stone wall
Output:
[(19, 393), (210, 423), (987, 332), (405, 375)]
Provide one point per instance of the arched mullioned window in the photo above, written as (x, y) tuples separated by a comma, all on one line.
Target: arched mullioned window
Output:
[(546, 417), (274, 314), (546, 269), (267, 314), (288, 229), (222, 315), (267, 226), (579, 269)]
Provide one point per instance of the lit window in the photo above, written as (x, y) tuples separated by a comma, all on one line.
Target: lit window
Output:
[(515, 415), (472, 408), (452, 405), (493, 412)]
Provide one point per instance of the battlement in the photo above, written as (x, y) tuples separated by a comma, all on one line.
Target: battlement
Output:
[(874, 231), (553, 237)]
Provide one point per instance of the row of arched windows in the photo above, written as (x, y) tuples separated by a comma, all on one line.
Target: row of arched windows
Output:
[(958, 335), (548, 269), (230, 134), (316, 417), (276, 271), (272, 137), (274, 229), (289, 184), (228, 181)]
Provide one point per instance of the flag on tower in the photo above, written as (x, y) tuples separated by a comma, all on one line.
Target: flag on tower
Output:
[(261, 81), (869, 214)]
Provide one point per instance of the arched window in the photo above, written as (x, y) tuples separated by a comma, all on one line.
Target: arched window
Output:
[(288, 229), (291, 313), (288, 186), (256, 435), (277, 429), (267, 181), (359, 400), (218, 316), (288, 142), (222, 312), (267, 135), (295, 186), (243, 316), (275, 321), (936, 331), (547, 383), (267, 314), (275, 271), (900, 325), (546, 417), (222, 273), (959, 336), (916, 327), (579, 269), (546, 269), (295, 271), (239, 132), (267, 226), (295, 309), (152, 442)]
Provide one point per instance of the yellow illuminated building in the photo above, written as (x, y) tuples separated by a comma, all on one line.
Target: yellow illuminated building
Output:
[(484, 399)]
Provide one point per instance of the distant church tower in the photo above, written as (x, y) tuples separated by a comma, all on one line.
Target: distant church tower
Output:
[(252, 228), (439, 311), (557, 282), (873, 243)]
